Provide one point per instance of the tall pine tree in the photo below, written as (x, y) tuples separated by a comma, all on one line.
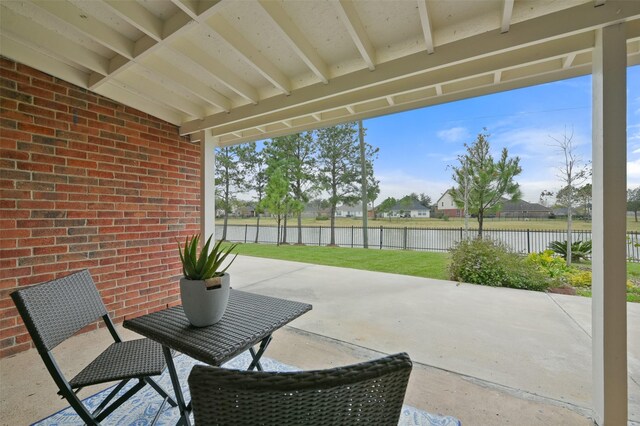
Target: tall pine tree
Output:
[(482, 181)]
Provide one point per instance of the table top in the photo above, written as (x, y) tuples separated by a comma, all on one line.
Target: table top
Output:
[(248, 319)]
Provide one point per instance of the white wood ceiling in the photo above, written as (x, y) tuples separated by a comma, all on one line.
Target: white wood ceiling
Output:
[(253, 69)]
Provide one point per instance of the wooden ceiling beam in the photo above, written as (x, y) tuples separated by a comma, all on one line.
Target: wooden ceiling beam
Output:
[(507, 11), (249, 53), (296, 39), (347, 13), (425, 21)]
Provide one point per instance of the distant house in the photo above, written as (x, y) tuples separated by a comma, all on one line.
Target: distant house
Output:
[(564, 212), (313, 210), (247, 210), (523, 209), (510, 209), (447, 207), (347, 210), (411, 209)]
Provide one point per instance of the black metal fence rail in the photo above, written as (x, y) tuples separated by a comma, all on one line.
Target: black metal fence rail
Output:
[(419, 239)]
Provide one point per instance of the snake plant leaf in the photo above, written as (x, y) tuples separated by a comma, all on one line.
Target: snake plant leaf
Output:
[(190, 248), (204, 254), (219, 259), (207, 264)]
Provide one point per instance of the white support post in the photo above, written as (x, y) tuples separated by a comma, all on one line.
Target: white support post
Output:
[(609, 309), (207, 184)]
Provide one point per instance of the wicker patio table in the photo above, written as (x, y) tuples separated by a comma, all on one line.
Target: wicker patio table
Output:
[(249, 319)]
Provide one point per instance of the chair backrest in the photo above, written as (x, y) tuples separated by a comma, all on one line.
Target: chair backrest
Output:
[(367, 393), (56, 310)]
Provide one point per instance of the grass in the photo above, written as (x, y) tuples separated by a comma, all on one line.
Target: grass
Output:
[(534, 224), (414, 263)]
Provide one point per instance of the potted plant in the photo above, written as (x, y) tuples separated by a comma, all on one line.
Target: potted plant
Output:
[(204, 289)]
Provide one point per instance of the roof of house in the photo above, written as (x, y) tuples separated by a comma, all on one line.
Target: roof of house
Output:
[(442, 196), (414, 205), (350, 207), (523, 206)]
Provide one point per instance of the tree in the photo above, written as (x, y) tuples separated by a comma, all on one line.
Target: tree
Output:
[(297, 153), (256, 179), (363, 186), (422, 198), (319, 204), (277, 198), (387, 205), (579, 197), (633, 201), (338, 158), (369, 185), (545, 195), (373, 191), (583, 199), (229, 179), (573, 174), (490, 181)]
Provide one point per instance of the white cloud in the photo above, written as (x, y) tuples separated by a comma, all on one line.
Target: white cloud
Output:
[(531, 189), (454, 134), (633, 172), (537, 139), (397, 183)]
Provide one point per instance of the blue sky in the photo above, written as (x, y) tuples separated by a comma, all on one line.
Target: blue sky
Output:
[(417, 146)]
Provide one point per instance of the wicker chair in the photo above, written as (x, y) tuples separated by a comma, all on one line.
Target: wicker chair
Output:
[(55, 310), (367, 393)]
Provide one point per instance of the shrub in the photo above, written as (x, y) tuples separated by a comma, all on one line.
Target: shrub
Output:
[(579, 249), (486, 262), (580, 279), (322, 218), (555, 266)]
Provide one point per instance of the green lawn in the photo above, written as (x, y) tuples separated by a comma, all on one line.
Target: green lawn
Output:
[(414, 263), (419, 264)]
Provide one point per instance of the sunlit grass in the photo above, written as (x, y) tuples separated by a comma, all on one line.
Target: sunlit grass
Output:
[(414, 263)]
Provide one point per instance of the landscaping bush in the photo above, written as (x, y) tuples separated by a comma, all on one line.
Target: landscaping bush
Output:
[(579, 249), (552, 264), (580, 279), (487, 262), (322, 218)]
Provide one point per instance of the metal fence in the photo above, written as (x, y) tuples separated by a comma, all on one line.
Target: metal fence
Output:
[(420, 239)]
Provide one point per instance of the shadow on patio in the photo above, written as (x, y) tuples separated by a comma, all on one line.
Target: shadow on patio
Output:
[(484, 355)]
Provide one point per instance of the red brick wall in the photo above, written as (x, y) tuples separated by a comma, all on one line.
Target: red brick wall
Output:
[(87, 182)]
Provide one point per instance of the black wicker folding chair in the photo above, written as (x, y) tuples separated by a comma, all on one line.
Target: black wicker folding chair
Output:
[(56, 310), (367, 393)]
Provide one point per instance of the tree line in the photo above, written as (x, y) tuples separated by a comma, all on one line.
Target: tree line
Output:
[(287, 171)]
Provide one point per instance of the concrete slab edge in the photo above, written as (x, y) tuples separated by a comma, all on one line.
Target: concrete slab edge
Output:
[(517, 393)]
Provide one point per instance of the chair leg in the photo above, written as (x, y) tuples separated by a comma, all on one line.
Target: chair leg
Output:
[(161, 391), (80, 409), (65, 389), (118, 402), (109, 397), (159, 412)]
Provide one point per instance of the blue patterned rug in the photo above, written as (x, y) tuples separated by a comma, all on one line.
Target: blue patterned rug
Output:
[(142, 407)]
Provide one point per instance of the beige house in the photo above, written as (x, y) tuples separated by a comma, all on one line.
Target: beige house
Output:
[(447, 207)]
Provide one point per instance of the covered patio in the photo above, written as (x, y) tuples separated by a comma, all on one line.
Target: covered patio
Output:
[(103, 103), (533, 369)]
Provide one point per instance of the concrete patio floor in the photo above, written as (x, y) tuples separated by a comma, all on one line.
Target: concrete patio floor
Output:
[(488, 356)]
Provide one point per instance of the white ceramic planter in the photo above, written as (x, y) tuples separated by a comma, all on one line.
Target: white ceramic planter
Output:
[(204, 306)]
